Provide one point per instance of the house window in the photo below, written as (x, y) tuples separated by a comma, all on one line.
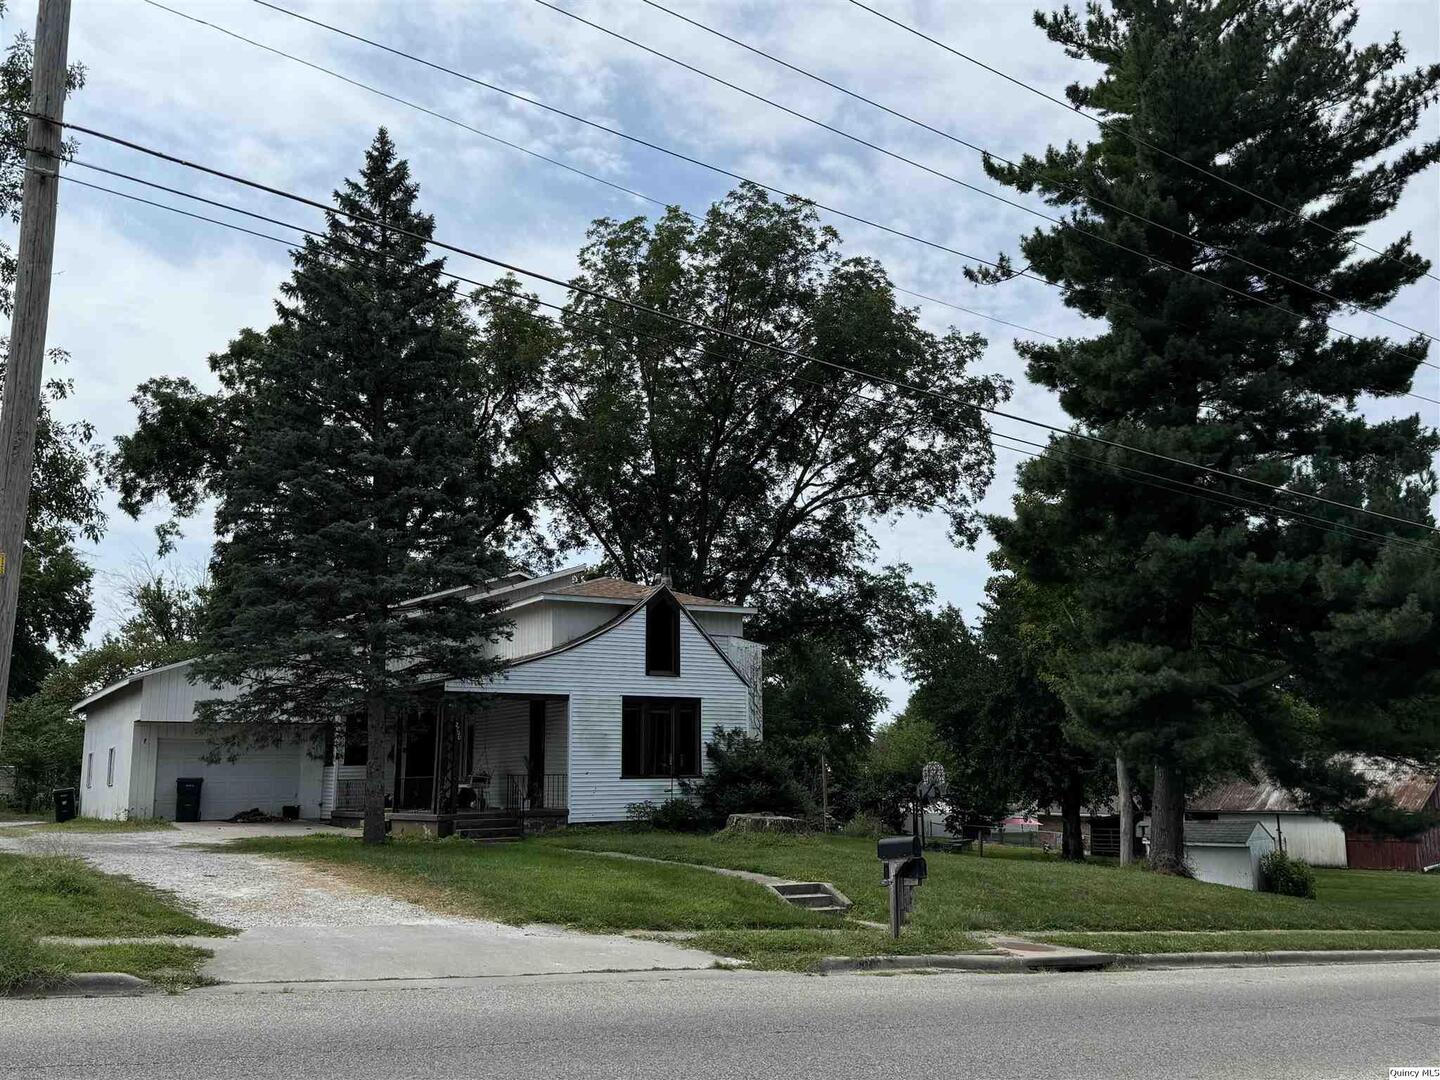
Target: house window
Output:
[(660, 737), (110, 768), (662, 635), (357, 740), (89, 769)]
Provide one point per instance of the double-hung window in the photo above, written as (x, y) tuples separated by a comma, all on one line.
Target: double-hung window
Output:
[(660, 738)]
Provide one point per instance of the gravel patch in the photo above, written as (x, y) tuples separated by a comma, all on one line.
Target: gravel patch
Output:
[(243, 891)]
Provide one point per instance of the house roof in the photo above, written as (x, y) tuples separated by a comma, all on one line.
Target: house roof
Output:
[(135, 677), (623, 616), (1221, 833), (1408, 788), (610, 588)]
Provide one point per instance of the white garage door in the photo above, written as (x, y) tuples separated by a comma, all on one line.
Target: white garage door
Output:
[(267, 778)]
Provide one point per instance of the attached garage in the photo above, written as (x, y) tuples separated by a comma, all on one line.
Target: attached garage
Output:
[(140, 737), (267, 778)]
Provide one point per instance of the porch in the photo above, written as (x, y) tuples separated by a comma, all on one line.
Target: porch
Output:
[(463, 762)]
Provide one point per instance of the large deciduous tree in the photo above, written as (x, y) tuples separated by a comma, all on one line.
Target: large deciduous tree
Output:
[(55, 606), (359, 464), (743, 473), (1209, 624)]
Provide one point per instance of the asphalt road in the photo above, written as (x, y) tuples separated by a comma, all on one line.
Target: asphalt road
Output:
[(1312, 1022)]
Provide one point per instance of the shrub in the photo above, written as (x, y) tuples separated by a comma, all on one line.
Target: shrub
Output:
[(746, 778), (865, 826), (1281, 874), (673, 815)]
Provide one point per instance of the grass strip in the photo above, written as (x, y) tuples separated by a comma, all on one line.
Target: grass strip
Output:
[(1249, 942)]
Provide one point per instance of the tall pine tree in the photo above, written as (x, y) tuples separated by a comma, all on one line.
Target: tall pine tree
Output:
[(363, 476), (1219, 636)]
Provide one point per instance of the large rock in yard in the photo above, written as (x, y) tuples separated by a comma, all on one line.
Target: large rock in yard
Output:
[(772, 823)]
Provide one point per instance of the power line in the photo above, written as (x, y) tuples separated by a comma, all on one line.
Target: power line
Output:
[(1070, 189), (1171, 484), (780, 191), (694, 324), (1109, 125), (581, 172), (951, 178), (662, 203)]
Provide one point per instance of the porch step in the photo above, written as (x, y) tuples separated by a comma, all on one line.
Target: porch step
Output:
[(814, 895)]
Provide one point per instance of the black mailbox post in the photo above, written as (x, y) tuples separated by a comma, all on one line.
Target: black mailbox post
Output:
[(904, 870), (64, 803), (187, 798)]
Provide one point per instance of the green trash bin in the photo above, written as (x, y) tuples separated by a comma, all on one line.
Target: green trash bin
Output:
[(187, 798)]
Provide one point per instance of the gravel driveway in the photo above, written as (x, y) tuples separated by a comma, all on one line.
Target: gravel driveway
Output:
[(301, 924), (243, 891)]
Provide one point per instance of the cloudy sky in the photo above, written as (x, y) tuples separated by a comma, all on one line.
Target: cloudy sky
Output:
[(141, 292)]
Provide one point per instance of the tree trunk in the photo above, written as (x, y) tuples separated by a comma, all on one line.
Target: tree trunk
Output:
[(1167, 822), (1127, 811), (377, 749), (1072, 840)]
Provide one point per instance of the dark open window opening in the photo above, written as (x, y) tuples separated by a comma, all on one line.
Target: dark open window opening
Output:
[(660, 737), (662, 635), (355, 750)]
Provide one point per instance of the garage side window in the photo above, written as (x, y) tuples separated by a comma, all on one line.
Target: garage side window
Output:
[(89, 768), (110, 768), (660, 738)]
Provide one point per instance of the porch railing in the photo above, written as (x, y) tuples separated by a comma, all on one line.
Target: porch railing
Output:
[(350, 794), (548, 792)]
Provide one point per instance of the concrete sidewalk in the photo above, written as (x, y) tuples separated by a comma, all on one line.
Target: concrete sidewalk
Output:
[(457, 950)]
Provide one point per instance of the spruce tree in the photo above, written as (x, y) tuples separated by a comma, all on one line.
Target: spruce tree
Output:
[(362, 478), (1219, 635)]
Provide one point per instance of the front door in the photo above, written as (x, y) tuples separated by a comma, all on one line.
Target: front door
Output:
[(415, 778), (536, 779)]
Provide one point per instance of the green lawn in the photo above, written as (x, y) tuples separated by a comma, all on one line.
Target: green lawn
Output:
[(59, 896), (970, 892), (1250, 941), (103, 825), (537, 881), (558, 879), (531, 882)]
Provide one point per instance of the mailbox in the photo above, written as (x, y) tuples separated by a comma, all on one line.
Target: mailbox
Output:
[(891, 848), (904, 870)]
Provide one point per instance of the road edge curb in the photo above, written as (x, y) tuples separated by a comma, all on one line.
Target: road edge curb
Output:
[(834, 965)]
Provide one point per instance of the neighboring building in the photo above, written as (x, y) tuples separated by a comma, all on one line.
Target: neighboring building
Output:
[(1317, 840), (610, 692), (1227, 852), (1410, 791)]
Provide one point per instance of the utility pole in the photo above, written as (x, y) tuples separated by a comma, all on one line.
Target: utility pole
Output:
[(1127, 811), (25, 368)]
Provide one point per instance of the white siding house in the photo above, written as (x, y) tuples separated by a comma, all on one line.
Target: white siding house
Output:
[(579, 725)]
